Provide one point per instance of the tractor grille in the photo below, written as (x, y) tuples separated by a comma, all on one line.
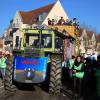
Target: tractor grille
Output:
[(34, 53)]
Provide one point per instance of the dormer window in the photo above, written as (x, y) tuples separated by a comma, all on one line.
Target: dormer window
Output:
[(17, 20), (16, 23), (42, 16)]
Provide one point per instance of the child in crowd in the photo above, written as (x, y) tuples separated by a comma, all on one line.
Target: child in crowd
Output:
[(3, 65)]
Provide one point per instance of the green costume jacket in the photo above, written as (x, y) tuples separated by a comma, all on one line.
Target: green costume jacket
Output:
[(79, 72), (2, 63)]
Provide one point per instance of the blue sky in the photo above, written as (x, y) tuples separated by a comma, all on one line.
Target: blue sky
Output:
[(86, 11)]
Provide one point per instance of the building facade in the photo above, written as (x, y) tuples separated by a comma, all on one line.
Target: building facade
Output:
[(31, 20), (88, 41), (98, 43)]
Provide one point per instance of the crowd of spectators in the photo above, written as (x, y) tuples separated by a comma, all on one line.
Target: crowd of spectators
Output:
[(61, 21), (83, 77)]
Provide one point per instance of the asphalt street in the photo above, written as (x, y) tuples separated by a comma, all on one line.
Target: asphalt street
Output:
[(33, 94), (38, 92)]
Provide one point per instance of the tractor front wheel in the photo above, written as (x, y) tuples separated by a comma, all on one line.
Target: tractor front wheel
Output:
[(55, 75), (8, 84)]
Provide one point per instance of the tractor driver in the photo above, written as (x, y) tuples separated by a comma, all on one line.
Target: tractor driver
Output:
[(47, 42), (36, 43)]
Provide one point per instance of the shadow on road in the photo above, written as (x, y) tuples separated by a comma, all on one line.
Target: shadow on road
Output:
[(25, 87)]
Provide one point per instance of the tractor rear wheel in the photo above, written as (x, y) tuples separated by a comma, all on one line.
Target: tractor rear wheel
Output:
[(55, 75), (8, 84)]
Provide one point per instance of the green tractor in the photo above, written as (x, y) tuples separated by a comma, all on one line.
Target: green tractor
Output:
[(33, 51)]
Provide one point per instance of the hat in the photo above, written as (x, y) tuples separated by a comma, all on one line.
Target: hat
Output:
[(7, 52)]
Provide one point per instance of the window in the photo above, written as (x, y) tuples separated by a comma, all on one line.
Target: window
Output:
[(42, 16), (17, 42), (17, 20), (32, 40), (46, 41), (16, 23), (57, 43)]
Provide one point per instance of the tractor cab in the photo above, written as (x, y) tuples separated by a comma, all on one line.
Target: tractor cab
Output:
[(35, 42)]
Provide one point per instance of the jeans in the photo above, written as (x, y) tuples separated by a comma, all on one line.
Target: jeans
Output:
[(77, 86), (3, 73)]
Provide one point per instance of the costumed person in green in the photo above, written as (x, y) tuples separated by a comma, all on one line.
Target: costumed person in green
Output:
[(3, 65), (78, 74), (98, 77), (0, 66), (70, 65)]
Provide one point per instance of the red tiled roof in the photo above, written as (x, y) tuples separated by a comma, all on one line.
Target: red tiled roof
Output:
[(1, 41), (1, 45), (98, 38), (32, 16), (89, 34)]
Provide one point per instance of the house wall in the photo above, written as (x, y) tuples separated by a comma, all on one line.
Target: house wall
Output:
[(84, 38), (88, 44), (94, 40), (22, 26), (17, 21), (83, 41), (56, 13), (17, 33), (98, 48)]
